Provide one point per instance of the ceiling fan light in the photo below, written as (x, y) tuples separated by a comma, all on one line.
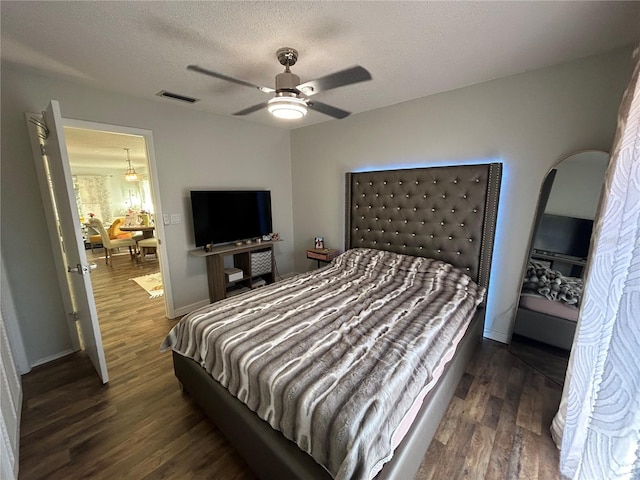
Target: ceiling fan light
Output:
[(288, 108)]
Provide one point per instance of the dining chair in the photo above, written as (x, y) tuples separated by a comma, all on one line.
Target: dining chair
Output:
[(113, 231), (110, 244), (148, 245)]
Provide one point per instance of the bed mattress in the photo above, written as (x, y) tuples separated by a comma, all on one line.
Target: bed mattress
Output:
[(339, 359), (538, 303)]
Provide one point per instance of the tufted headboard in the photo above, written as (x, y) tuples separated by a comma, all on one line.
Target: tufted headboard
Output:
[(445, 213)]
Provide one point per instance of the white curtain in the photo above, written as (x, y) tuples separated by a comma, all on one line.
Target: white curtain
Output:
[(94, 196), (598, 424)]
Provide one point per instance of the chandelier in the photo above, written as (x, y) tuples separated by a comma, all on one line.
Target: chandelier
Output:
[(130, 174)]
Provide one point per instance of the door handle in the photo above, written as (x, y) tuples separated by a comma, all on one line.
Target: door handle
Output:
[(82, 269)]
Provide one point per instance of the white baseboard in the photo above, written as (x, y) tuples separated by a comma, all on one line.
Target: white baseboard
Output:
[(497, 336), (51, 358), (287, 275), (178, 312)]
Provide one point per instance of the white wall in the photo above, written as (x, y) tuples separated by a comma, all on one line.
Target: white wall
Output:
[(194, 150), (527, 121), (577, 186)]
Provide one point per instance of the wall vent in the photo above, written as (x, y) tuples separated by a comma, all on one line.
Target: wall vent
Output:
[(176, 96)]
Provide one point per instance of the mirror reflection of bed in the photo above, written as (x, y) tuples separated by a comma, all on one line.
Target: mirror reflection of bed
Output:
[(553, 279)]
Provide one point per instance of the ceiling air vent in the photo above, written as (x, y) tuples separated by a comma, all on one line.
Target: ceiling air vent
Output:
[(176, 96)]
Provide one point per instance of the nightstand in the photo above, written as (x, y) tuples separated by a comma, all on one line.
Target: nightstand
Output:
[(322, 254)]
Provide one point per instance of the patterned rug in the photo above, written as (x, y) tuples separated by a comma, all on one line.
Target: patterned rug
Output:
[(151, 283)]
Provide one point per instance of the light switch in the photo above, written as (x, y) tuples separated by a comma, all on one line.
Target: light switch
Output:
[(166, 219), (176, 218)]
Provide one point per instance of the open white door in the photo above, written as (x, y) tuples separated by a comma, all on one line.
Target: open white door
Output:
[(54, 173)]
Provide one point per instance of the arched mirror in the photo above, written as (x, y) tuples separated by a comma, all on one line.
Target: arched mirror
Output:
[(552, 284)]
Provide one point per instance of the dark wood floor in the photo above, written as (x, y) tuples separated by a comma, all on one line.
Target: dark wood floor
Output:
[(550, 361), (140, 426)]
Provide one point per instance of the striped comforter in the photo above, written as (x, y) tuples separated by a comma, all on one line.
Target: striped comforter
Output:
[(335, 358)]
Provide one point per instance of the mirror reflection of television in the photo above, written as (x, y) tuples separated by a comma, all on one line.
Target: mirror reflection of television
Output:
[(225, 216), (562, 235)]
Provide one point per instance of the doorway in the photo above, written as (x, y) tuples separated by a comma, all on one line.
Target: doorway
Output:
[(49, 148), (98, 158), (129, 292)]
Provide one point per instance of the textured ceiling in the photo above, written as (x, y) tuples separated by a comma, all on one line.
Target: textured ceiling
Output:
[(412, 49), (95, 151)]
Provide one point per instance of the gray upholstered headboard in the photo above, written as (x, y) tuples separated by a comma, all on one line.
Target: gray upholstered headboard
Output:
[(445, 213)]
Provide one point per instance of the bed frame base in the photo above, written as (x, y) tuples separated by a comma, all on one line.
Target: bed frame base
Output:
[(544, 328), (273, 457)]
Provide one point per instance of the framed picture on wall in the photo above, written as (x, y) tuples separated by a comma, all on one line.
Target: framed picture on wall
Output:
[(319, 242)]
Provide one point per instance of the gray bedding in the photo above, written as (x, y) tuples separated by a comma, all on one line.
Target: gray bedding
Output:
[(335, 359), (552, 284)]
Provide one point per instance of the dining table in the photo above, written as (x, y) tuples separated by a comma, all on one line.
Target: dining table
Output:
[(147, 230)]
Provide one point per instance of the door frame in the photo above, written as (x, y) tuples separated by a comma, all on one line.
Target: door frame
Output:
[(155, 195)]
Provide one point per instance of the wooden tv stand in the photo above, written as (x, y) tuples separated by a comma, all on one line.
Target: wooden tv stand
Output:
[(218, 285)]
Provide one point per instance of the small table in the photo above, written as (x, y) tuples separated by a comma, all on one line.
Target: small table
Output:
[(147, 230), (322, 254)]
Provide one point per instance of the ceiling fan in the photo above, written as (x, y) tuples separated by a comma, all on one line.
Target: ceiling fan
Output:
[(291, 99)]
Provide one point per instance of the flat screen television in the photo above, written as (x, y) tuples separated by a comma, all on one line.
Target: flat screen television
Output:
[(563, 235), (224, 216)]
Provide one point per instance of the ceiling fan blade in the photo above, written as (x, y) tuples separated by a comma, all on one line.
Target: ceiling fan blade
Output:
[(328, 109), (252, 109), (339, 79), (211, 73)]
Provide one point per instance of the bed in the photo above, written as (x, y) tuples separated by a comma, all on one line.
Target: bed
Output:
[(549, 305), (416, 222)]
